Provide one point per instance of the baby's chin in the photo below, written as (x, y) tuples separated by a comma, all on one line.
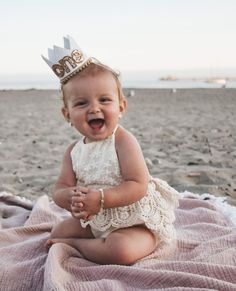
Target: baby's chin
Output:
[(97, 137)]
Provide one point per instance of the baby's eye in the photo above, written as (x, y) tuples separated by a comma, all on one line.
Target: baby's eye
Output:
[(80, 104), (105, 99)]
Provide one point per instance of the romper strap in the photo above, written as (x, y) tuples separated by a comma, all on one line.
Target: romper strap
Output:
[(115, 129)]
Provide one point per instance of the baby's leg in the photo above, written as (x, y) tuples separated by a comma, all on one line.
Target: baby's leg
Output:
[(124, 246), (69, 228)]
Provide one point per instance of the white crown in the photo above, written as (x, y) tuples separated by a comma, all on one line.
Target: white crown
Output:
[(68, 61)]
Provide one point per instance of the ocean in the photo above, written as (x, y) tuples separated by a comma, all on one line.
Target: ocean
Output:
[(25, 82)]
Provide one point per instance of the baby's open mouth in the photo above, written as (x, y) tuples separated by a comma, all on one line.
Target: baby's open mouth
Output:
[(96, 123)]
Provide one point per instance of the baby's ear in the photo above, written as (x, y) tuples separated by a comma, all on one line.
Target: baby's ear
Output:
[(65, 113), (123, 105)]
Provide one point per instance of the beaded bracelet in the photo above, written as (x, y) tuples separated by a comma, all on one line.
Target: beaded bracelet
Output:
[(102, 199)]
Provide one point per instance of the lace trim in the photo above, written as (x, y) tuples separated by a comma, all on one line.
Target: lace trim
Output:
[(154, 210)]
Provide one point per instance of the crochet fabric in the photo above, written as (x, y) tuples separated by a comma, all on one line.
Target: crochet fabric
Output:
[(96, 165)]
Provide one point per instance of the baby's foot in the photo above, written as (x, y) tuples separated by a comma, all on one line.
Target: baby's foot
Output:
[(53, 241), (49, 243)]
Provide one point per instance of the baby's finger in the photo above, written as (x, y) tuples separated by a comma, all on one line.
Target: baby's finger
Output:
[(77, 192), (89, 217), (78, 199), (83, 189), (75, 208), (82, 215), (78, 205), (71, 194), (75, 215)]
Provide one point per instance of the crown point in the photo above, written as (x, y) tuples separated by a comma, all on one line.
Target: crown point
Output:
[(68, 61)]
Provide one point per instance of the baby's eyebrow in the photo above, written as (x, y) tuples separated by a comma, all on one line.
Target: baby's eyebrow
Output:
[(106, 95), (78, 98)]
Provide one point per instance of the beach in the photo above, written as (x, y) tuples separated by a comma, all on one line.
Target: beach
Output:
[(188, 138)]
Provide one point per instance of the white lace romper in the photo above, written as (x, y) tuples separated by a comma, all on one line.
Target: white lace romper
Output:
[(96, 165)]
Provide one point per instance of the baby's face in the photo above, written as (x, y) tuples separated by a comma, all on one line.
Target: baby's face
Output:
[(93, 105)]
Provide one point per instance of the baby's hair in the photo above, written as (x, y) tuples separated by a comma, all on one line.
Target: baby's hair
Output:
[(93, 69)]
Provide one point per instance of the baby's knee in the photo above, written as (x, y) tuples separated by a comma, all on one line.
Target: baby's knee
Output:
[(124, 256), (119, 252)]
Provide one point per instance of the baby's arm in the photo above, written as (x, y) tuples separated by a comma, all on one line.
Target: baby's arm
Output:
[(66, 183), (133, 169)]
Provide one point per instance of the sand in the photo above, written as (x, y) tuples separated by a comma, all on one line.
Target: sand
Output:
[(188, 138)]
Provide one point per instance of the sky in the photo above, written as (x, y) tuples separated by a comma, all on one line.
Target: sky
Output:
[(129, 35)]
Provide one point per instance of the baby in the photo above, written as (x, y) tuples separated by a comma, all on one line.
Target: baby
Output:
[(119, 212)]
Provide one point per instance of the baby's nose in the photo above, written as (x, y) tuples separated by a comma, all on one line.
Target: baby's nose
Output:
[(94, 108)]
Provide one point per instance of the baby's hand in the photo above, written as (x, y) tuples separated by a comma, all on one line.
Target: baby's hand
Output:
[(65, 195), (75, 204), (85, 203)]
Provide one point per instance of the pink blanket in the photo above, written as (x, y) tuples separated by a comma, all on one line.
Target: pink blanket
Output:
[(204, 258)]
